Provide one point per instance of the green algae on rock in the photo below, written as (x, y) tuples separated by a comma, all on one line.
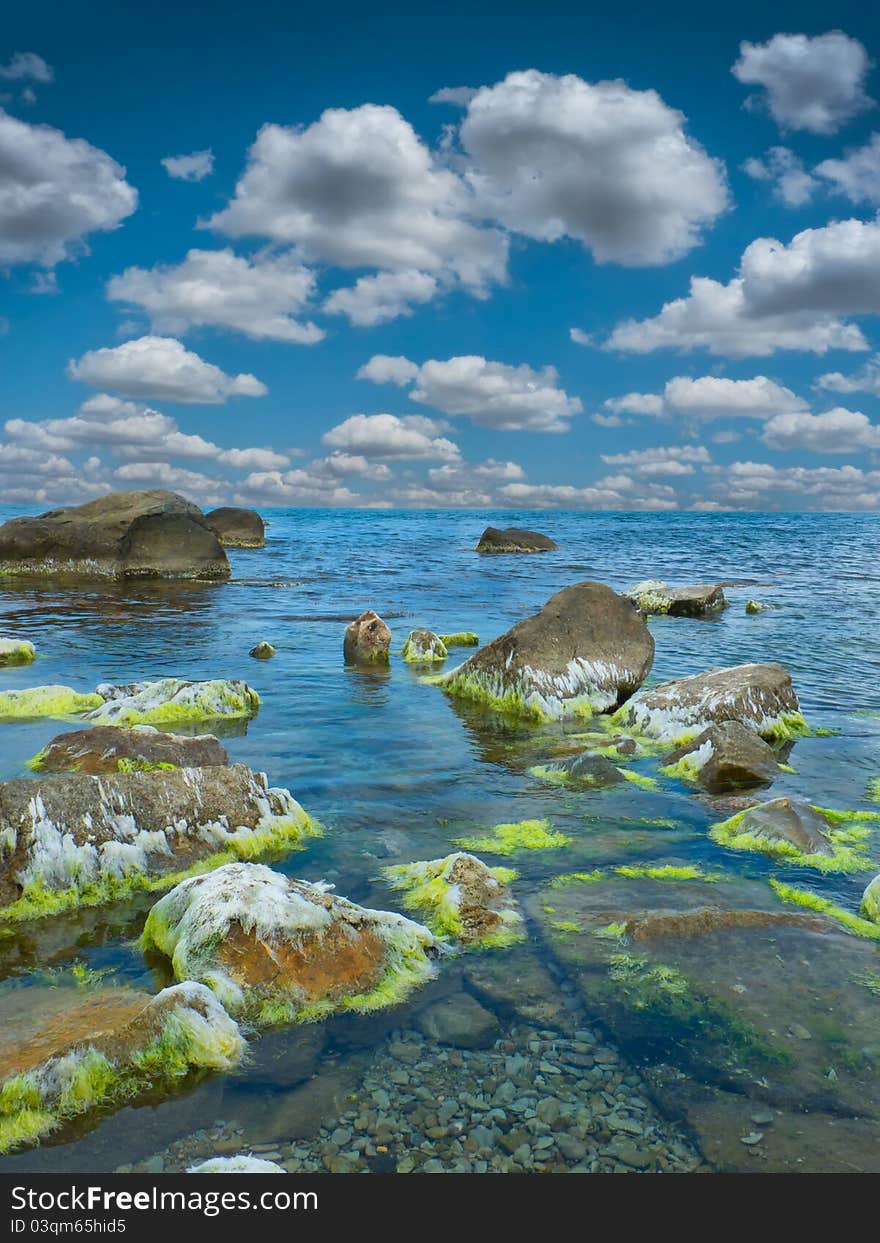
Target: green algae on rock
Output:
[(799, 833), (506, 839), (585, 651), (81, 840), (115, 748), (16, 652), (61, 702), (173, 701), (63, 1055), (724, 757), (870, 906), (463, 638), (653, 596), (461, 898), (280, 950), (423, 647), (756, 606), (861, 927)]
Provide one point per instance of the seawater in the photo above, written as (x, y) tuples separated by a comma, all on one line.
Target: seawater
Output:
[(388, 764)]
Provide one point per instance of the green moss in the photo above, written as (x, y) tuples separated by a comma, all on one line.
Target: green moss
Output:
[(847, 844), (577, 878), (566, 927), (25, 1128), (505, 839), (786, 768), (464, 638), (636, 871), (871, 983), (615, 931), (428, 889), (823, 906), (423, 647), (143, 766), (512, 704), (46, 701), (639, 779)]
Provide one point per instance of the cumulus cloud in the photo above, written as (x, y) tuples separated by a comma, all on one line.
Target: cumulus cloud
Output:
[(459, 96), (613, 492), (161, 368), (385, 436), (667, 460), (54, 192), (27, 67), (298, 487), (262, 297), (814, 84), (612, 167), (835, 431), (491, 394), (759, 485), (866, 380), (712, 397), (193, 484), (193, 167), (785, 172), (857, 174), (791, 297), (383, 297)]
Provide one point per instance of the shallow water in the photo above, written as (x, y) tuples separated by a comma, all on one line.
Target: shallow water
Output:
[(395, 770)]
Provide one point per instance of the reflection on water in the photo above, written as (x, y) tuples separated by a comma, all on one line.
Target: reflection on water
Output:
[(396, 771)]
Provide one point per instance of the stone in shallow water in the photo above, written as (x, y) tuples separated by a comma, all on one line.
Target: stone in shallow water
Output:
[(16, 652), (237, 528), (262, 651), (242, 1164), (458, 1020), (173, 700), (84, 840), (46, 701), (870, 907), (514, 539), (283, 950), (461, 897), (113, 749), (794, 830), (423, 647), (64, 1054), (367, 640), (653, 596), (725, 757), (586, 769), (586, 650)]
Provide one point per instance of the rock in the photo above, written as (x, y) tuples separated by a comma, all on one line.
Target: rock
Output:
[(237, 528), (115, 749), (585, 769), (367, 640), (283, 1058), (464, 638), (262, 651), (513, 539), (63, 1054), (587, 650), (16, 652), (458, 1020), (423, 646), (654, 596), (755, 606), (242, 1164), (760, 697), (724, 757), (152, 534), (870, 906), (45, 701), (173, 701), (282, 950), (461, 897), (84, 840), (782, 820)]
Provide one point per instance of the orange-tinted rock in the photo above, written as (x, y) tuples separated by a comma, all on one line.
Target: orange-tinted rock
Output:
[(113, 749), (367, 640)]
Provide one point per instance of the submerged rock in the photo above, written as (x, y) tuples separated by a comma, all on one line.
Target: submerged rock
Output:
[(463, 638), (242, 1164), (424, 647), (82, 840), (458, 1020), (46, 701), (653, 596), (794, 829), (367, 640), (282, 950), (460, 897), (16, 652), (586, 650), (755, 606), (115, 749), (870, 907), (724, 757), (173, 700), (262, 651), (514, 539), (152, 534), (63, 1055), (237, 528), (760, 697), (586, 769)]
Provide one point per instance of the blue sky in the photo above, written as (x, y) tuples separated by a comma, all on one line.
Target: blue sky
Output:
[(627, 257)]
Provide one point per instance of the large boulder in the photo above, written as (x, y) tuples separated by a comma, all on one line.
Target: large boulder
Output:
[(724, 757), (81, 840), (587, 650), (460, 897), (153, 534), (367, 640), (237, 528), (16, 652), (115, 749), (760, 697), (169, 701), (702, 600), (65, 1053), (514, 539), (282, 950)]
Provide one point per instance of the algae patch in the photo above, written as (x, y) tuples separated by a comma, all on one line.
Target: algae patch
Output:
[(506, 839)]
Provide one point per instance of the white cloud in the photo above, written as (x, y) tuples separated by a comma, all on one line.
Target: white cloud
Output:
[(614, 492), (359, 188), (792, 184), (27, 67), (712, 397), (758, 485), (656, 463), (262, 296), (609, 166), (580, 337), (383, 297), (835, 431), (193, 167), (163, 369), (293, 488), (789, 297), (857, 174), (492, 394), (54, 192), (460, 96), (387, 436), (867, 380), (814, 84)]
